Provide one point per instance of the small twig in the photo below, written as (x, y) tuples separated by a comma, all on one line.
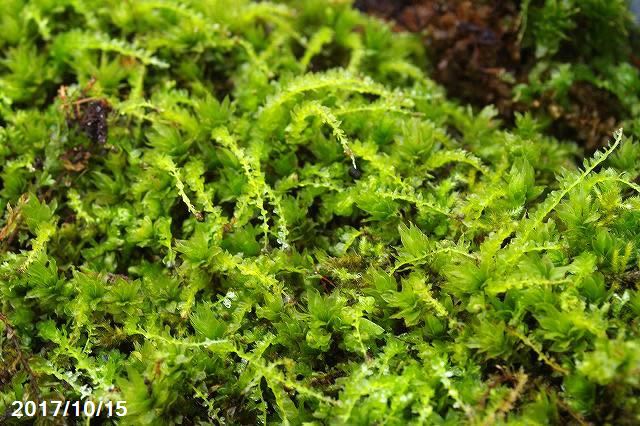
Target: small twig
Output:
[(328, 281), (13, 337), (9, 231), (576, 416), (507, 404), (541, 355)]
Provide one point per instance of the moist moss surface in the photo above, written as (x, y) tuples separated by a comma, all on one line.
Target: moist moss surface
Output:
[(238, 212)]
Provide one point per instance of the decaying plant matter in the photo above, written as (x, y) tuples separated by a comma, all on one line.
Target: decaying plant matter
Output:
[(473, 44), (88, 114), (546, 57)]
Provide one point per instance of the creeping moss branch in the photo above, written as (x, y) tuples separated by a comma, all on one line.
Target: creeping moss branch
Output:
[(309, 109)]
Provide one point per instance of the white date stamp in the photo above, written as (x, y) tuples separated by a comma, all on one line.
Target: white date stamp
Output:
[(69, 409)]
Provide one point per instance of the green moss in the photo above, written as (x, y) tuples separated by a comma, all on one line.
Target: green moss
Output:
[(291, 223), (582, 42)]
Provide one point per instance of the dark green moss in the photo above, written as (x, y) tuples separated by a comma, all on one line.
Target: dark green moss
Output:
[(260, 243)]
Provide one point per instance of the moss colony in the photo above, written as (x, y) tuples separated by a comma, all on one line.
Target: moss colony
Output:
[(238, 212)]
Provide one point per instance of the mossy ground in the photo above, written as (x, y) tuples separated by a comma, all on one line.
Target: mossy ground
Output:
[(570, 64), (238, 212)]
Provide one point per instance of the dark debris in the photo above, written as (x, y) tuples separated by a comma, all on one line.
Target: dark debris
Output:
[(91, 117), (475, 44)]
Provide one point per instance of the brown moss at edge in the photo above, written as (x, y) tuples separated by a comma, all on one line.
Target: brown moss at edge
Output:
[(474, 46)]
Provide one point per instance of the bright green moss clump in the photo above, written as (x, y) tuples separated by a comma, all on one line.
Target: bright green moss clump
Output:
[(290, 223)]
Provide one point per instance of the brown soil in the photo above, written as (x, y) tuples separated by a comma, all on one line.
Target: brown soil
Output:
[(475, 44), (591, 117)]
